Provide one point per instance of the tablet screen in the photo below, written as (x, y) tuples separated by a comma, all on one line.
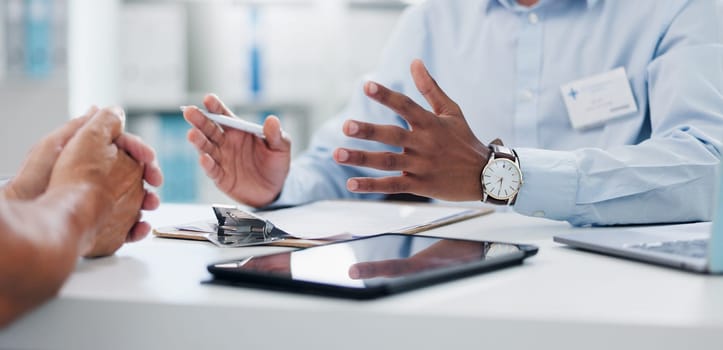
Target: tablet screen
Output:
[(370, 261)]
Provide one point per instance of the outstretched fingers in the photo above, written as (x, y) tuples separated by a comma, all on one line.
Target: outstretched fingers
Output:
[(377, 160), (428, 87), (387, 134), (401, 104), (388, 185)]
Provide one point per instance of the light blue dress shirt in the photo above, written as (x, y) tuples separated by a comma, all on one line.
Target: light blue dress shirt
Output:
[(504, 65)]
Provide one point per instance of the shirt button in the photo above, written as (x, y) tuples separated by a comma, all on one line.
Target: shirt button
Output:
[(527, 95), (539, 214), (532, 17)]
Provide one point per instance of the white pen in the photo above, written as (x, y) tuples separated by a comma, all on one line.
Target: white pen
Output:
[(237, 123)]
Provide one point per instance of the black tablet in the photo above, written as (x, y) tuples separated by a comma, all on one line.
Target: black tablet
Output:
[(370, 267)]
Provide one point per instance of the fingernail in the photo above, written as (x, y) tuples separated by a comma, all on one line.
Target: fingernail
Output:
[(352, 128), (343, 155), (352, 185), (372, 88)]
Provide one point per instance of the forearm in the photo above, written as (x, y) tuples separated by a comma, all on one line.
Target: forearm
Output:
[(668, 179), (41, 241)]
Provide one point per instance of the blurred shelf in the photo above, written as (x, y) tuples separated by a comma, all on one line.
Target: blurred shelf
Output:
[(20, 82), (236, 105), (235, 2), (378, 5), (359, 4)]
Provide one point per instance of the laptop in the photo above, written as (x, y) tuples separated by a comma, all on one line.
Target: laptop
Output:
[(693, 247)]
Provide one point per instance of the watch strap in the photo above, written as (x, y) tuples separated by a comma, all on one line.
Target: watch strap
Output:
[(500, 151)]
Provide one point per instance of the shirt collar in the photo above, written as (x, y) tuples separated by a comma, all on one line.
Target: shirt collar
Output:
[(512, 4)]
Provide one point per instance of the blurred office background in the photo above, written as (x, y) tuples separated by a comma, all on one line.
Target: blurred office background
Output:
[(298, 59)]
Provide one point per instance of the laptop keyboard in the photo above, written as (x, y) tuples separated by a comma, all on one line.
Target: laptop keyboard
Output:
[(696, 248)]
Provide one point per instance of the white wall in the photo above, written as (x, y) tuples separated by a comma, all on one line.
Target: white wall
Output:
[(29, 107)]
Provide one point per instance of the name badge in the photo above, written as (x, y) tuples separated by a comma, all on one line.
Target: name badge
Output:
[(593, 101)]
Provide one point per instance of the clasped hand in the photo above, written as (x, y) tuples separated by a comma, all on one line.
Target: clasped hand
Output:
[(92, 157)]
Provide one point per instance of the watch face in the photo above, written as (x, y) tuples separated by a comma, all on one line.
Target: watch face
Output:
[(502, 179)]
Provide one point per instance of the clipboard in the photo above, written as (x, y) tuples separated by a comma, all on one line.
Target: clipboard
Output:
[(293, 227), (173, 232), (234, 227)]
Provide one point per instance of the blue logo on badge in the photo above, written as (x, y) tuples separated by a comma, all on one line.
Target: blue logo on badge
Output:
[(573, 93)]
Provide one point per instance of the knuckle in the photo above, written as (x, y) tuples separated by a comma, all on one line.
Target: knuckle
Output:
[(362, 158), (400, 136), (427, 163), (389, 161), (204, 144), (366, 131), (455, 107), (397, 187), (383, 96), (114, 112), (106, 110), (407, 104)]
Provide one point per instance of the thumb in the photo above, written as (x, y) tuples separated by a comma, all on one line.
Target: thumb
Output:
[(104, 127), (275, 136)]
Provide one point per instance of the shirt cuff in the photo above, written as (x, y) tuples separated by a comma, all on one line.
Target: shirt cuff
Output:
[(549, 186)]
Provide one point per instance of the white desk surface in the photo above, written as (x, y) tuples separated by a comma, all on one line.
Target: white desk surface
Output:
[(149, 296)]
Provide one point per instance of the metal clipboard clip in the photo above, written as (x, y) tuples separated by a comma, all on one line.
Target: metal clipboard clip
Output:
[(238, 228)]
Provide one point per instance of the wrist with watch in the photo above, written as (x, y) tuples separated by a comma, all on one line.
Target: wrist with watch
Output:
[(501, 177)]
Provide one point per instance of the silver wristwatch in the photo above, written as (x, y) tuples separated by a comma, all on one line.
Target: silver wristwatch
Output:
[(501, 177)]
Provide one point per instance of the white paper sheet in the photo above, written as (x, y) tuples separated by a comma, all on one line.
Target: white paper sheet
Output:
[(345, 219)]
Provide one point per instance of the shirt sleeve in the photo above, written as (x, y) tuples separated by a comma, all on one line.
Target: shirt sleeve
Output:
[(670, 177), (314, 175)]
